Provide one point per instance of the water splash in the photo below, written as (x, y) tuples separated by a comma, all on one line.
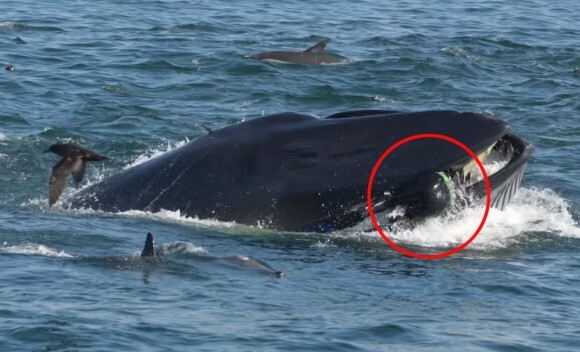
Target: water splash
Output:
[(34, 249), (155, 152), (179, 248), (531, 210)]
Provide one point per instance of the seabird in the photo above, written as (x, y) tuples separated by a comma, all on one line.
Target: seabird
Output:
[(72, 162)]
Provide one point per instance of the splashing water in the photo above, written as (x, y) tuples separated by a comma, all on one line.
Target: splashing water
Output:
[(531, 210), (34, 249), (153, 153)]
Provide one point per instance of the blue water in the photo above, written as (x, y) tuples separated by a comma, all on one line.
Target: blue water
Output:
[(133, 79)]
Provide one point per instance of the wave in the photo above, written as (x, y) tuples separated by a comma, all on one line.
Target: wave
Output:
[(461, 52), (177, 248), (161, 65), (191, 27), (539, 211), (119, 89), (8, 138), (34, 249), (23, 26), (492, 41)]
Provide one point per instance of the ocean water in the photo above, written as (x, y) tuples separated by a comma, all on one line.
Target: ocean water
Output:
[(133, 79)]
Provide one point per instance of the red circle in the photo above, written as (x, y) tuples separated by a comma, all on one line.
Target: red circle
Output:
[(370, 205)]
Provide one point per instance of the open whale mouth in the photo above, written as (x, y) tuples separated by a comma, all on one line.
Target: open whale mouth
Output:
[(462, 185), (509, 155), (450, 190)]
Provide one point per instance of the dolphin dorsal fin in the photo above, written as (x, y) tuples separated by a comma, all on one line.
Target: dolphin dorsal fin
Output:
[(318, 48), (149, 249)]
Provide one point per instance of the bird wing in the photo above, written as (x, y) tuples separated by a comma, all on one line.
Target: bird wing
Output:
[(78, 170), (58, 178)]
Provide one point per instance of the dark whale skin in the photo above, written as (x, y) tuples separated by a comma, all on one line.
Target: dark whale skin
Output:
[(287, 171)]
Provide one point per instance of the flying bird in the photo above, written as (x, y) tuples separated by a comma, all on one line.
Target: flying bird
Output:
[(72, 163)]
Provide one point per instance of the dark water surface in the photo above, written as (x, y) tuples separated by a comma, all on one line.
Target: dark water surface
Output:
[(133, 79)]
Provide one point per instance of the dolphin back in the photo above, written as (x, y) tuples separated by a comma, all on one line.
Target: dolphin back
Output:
[(314, 55)]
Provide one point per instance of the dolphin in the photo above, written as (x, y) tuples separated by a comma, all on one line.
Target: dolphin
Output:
[(312, 56), (298, 172), (72, 163), (149, 251)]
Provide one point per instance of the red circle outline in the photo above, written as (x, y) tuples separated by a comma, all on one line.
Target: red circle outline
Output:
[(370, 186)]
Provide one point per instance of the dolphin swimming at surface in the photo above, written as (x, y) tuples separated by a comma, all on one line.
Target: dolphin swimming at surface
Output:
[(150, 251), (314, 55)]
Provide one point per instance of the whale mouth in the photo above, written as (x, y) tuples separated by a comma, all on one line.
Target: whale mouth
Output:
[(509, 155), (463, 185), (453, 189)]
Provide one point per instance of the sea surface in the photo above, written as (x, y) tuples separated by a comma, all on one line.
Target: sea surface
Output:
[(134, 79)]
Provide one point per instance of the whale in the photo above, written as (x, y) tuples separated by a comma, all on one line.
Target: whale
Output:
[(298, 172), (314, 55)]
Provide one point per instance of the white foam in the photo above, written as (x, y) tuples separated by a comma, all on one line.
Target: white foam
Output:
[(531, 210), (34, 249), (339, 62), (168, 216), (538, 210), (460, 52), (5, 138), (180, 247), (153, 153), (8, 24), (176, 217)]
